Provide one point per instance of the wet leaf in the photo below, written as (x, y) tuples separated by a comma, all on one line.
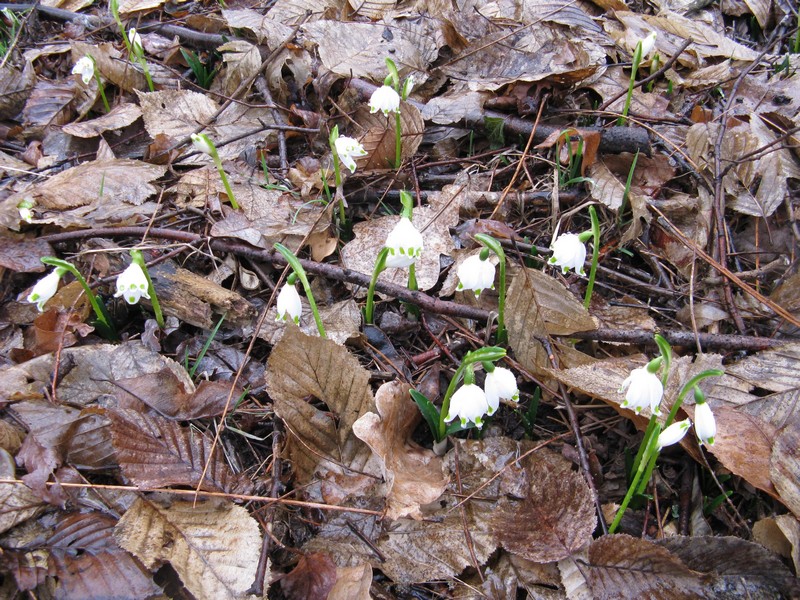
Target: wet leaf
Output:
[(413, 475), (213, 545), (154, 452)]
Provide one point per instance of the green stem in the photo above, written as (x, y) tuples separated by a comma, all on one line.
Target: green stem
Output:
[(106, 327), (489, 353), (687, 387), (398, 143), (595, 256), (114, 5), (637, 59), (147, 77), (666, 355), (650, 447), (380, 267), (136, 256), (493, 245), (100, 85), (223, 176), (301, 275)]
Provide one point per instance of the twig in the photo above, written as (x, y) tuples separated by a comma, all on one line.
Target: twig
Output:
[(576, 431)]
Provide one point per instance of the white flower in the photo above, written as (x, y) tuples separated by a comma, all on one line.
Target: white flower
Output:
[(568, 253), (289, 304), (704, 424), (85, 68), (648, 43), (644, 390), (201, 143), (347, 148), (468, 404), (475, 274), (25, 209), (404, 243), (384, 99), (407, 85), (132, 284), (500, 384), (45, 289), (673, 434), (136, 42)]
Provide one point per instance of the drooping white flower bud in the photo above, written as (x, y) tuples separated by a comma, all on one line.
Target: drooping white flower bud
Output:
[(202, 143), (673, 434), (132, 284), (45, 289), (568, 253), (384, 99), (404, 243), (468, 403), (644, 390), (85, 68), (347, 149), (705, 426), (289, 304), (500, 384), (475, 274), (136, 42), (648, 44)]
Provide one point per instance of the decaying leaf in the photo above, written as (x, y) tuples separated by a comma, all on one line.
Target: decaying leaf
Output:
[(303, 370), (413, 475), (154, 452), (213, 545), (18, 501), (785, 465), (311, 579)]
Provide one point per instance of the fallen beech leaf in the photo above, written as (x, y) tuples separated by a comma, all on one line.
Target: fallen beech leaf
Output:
[(312, 578), (213, 545), (785, 465), (352, 583), (21, 254), (378, 135), (155, 452), (120, 116), (413, 475), (18, 501)]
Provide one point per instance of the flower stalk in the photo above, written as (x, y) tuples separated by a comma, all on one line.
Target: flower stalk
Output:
[(298, 269), (103, 321), (643, 48), (203, 143), (587, 300), (138, 259)]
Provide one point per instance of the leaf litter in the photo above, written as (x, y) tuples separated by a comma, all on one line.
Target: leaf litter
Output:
[(222, 453)]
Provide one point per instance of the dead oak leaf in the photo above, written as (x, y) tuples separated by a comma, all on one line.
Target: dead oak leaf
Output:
[(413, 475)]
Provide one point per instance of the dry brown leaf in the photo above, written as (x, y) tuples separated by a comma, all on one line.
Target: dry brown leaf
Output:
[(352, 583), (434, 221), (785, 465), (22, 254), (110, 64), (154, 452), (266, 28), (295, 12), (621, 566), (311, 579), (15, 87), (452, 108), (242, 61), (81, 559), (413, 475), (213, 545), (377, 135), (774, 370), (342, 322), (120, 116), (18, 501), (302, 368)]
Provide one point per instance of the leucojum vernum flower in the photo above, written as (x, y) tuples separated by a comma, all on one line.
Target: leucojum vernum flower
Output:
[(569, 252), (644, 390), (387, 98)]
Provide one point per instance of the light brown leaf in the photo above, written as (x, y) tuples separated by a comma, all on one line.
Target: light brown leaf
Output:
[(300, 369), (774, 370), (213, 545), (413, 475), (342, 322), (377, 135), (120, 116), (110, 64), (352, 583), (155, 452), (621, 566), (242, 61), (15, 87), (785, 465), (265, 28)]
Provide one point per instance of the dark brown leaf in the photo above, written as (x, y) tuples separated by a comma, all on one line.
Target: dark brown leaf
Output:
[(22, 255), (156, 452), (312, 578)]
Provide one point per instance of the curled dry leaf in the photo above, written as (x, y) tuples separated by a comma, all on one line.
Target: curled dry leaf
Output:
[(413, 474), (120, 116), (322, 445), (213, 545)]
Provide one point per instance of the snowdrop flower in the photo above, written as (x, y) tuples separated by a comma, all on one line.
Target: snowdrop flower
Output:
[(404, 243), (475, 274), (648, 43), (132, 284), (673, 434), (347, 148), (704, 424), (568, 253), (136, 42), (468, 404), (202, 144), (289, 304), (45, 289), (85, 68), (384, 99), (407, 85), (25, 209), (644, 390), (500, 384)]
